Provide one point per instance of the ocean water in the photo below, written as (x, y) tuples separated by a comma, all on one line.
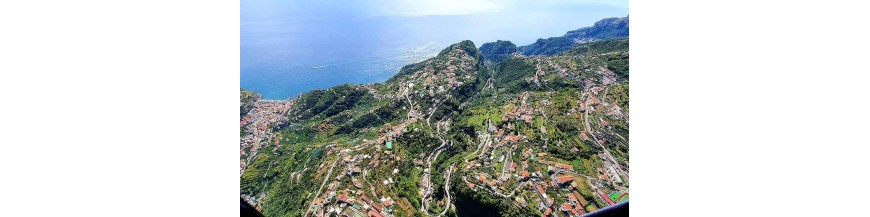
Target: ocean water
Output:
[(291, 47)]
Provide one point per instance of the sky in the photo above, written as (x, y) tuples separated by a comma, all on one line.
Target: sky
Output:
[(510, 17)]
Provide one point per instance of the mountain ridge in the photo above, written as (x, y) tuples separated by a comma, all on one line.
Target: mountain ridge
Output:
[(605, 29), (452, 135)]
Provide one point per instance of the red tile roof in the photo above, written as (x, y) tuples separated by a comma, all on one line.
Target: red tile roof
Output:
[(539, 189), (564, 166), (372, 213), (366, 199), (566, 207), (564, 179), (578, 210)]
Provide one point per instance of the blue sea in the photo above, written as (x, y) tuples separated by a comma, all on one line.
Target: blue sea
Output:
[(291, 47)]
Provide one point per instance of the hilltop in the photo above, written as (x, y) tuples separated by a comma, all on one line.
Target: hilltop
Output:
[(470, 131), (495, 52)]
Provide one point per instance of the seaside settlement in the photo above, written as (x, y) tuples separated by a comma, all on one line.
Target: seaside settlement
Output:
[(549, 151)]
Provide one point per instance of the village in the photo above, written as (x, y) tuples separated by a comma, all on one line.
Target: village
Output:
[(350, 192), (556, 153), (499, 166), (258, 127), (531, 177)]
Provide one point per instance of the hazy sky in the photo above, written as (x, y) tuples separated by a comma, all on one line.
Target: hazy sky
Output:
[(515, 20)]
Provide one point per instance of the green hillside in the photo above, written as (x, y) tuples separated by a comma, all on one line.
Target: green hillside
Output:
[(464, 130)]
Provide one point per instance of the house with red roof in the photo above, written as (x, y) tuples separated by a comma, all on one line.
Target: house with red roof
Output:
[(541, 191), (564, 166), (578, 211), (342, 198), (562, 180), (372, 213), (566, 207), (572, 199), (366, 199)]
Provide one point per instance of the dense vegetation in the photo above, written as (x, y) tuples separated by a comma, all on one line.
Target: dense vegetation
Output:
[(548, 46), (246, 101), (327, 103), (618, 63), (288, 175), (605, 46), (511, 73), (497, 51)]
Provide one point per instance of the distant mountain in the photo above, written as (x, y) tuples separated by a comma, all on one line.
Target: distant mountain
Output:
[(495, 52), (548, 46), (609, 28)]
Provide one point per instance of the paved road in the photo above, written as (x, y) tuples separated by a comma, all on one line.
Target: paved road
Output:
[(606, 152), (484, 140), (447, 189), (326, 179)]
